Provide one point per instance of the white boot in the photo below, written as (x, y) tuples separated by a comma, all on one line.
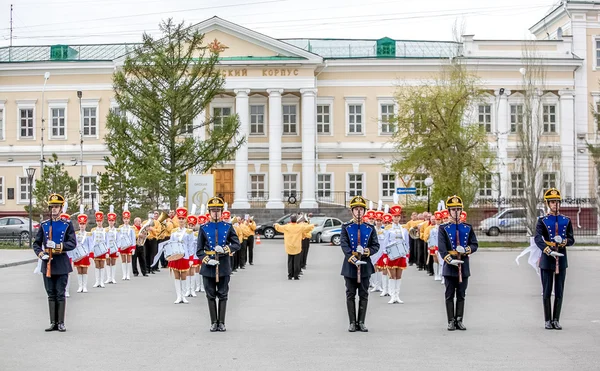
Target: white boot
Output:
[(68, 284), (84, 283), (102, 275), (397, 291), (201, 284), (184, 288), (124, 269), (97, 272), (107, 275), (128, 271), (378, 286), (436, 272), (392, 291), (178, 291), (375, 284), (80, 283), (385, 285), (113, 271), (192, 282)]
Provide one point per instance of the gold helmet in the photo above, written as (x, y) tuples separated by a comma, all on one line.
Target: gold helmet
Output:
[(358, 201), (454, 202), (56, 200), (215, 202), (552, 194)]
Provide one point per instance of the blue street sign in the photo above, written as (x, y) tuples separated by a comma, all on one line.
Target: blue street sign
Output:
[(406, 191)]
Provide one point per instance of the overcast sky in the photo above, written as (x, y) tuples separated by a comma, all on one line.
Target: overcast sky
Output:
[(112, 21)]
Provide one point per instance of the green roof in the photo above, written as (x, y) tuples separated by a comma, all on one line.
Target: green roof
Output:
[(96, 52)]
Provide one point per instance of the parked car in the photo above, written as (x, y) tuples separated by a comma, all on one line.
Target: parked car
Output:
[(509, 220), (323, 224), (332, 235), (16, 226), (267, 229)]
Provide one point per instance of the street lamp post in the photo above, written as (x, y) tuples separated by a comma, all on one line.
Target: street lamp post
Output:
[(428, 184), (46, 77), (30, 174)]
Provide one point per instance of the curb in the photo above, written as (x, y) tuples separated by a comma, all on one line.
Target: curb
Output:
[(22, 262)]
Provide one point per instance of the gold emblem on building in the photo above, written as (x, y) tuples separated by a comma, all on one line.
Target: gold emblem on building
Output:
[(217, 47)]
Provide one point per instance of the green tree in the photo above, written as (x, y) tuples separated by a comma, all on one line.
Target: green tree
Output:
[(164, 85), (436, 135), (54, 179)]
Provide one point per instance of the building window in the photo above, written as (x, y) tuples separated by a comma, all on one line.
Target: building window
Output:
[(1, 189), (57, 122), (597, 53), (1, 123), (549, 118), (257, 186), (89, 188), (597, 115), (26, 122), (485, 117), (324, 119), (355, 118), (323, 186), (355, 185), (549, 180), (188, 128), (257, 119), (290, 185), (289, 119), (117, 111), (516, 118), (388, 185), (90, 121), (418, 182), (517, 187), (485, 185), (387, 118), (219, 116), (24, 189)]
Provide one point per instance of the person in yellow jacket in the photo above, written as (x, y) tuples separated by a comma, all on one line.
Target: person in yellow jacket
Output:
[(151, 245), (305, 242), (292, 239), (412, 255), (244, 250), (250, 241)]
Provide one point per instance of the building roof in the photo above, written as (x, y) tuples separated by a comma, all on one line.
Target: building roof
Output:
[(40, 53)]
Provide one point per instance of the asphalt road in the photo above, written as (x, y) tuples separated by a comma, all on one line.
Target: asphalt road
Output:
[(276, 324)]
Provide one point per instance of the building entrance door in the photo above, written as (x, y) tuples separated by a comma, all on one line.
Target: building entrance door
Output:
[(224, 184)]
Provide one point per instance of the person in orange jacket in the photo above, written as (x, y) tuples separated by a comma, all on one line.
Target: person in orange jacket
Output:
[(292, 239)]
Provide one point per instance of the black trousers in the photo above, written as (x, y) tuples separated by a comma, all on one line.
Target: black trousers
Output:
[(458, 290), (140, 254), (549, 279), (352, 286), (250, 245), (294, 265), (411, 250), (420, 249), (216, 290), (55, 286), (305, 247), (243, 254), (151, 250), (163, 261)]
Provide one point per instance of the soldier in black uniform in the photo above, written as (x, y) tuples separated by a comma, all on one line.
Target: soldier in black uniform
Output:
[(553, 233), (216, 240), (456, 241), (54, 238), (358, 241)]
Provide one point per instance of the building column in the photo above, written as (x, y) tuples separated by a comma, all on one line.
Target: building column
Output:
[(567, 154), (275, 134), (242, 109), (502, 131), (309, 130)]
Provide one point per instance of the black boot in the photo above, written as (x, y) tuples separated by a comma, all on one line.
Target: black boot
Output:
[(450, 314), (460, 310), (212, 310), (556, 317), (61, 306), (547, 314), (362, 313), (53, 318), (222, 310), (351, 306)]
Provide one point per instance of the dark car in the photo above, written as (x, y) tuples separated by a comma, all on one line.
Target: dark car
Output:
[(267, 229), (16, 226)]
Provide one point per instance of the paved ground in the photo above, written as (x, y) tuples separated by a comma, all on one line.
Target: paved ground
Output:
[(276, 324)]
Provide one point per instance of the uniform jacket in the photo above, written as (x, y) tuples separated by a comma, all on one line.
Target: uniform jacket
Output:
[(62, 233), (349, 242), (545, 231), (206, 247), (293, 233), (447, 247)]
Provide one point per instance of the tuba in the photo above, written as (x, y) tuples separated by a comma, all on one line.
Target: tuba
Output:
[(143, 234), (414, 233)]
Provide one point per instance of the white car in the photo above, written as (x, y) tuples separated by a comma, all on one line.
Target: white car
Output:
[(332, 236)]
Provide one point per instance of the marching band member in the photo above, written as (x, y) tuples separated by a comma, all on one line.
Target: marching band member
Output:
[(445, 219), (431, 235), (456, 241), (381, 264), (139, 253), (193, 274), (53, 239), (216, 240), (380, 281), (412, 243), (397, 236), (202, 219), (84, 239), (111, 243), (153, 228), (99, 251), (126, 236), (192, 242), (67, 219), (358, 241), (179, 267), (553, 233), (250, 242)]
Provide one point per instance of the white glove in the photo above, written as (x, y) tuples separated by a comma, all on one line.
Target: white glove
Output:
[(45, 257), (213, 262), (360, 262), (50, 244), (460, 249), (360, 250), (219, 249), (556, 254), (558, 239), (456, 262)]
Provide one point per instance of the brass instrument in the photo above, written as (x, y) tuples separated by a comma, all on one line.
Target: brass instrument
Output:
[(163, 223), (143, 234), (414, 233)]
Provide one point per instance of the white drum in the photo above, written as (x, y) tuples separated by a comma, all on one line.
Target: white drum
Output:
[(396, 250), (112, 248), (100, 249), (78, 253), (174, 250), (124, 242)]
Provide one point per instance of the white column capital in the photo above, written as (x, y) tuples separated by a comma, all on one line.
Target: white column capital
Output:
[(309, 92), (275, 92), (566, 94), (505, 94), (241, 92)]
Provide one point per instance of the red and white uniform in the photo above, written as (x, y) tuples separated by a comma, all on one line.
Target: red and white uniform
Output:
[(397, 234), (126, 239), (98, 238), (84, 239), (180, 235), (111, 242)]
